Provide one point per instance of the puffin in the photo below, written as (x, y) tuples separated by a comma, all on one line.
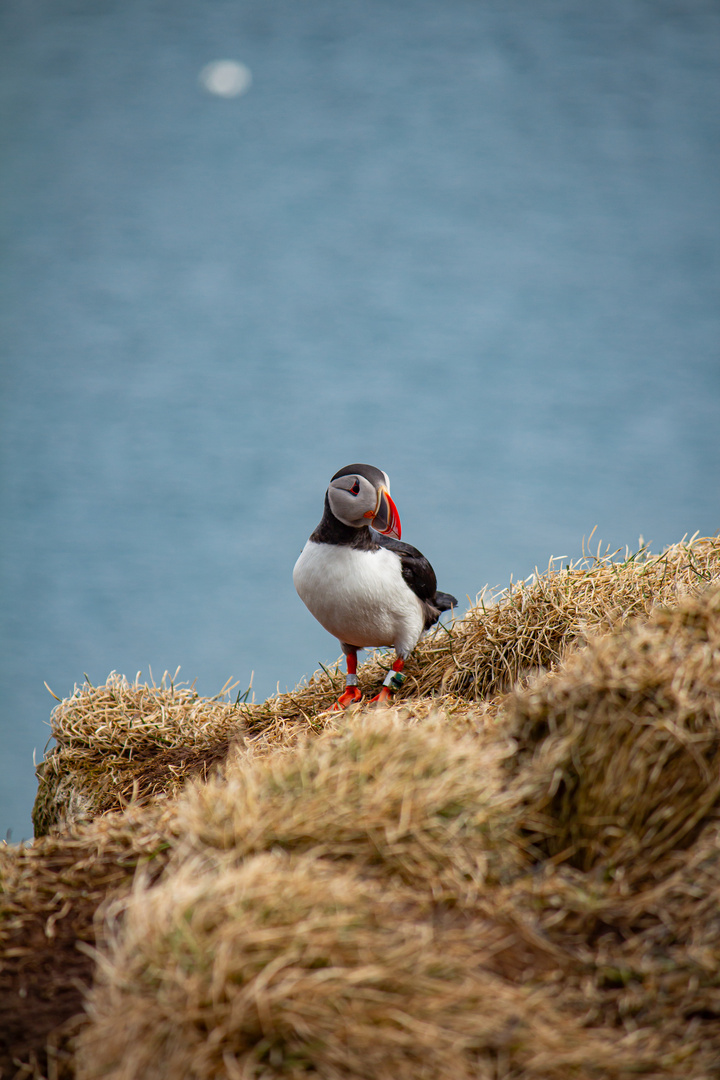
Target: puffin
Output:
[(362, 582)]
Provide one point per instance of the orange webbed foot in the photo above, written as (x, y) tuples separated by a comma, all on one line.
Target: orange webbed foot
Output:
[(383, 696), (351, 695)]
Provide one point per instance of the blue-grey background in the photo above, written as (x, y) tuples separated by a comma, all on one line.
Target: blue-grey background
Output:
[(473, 242)]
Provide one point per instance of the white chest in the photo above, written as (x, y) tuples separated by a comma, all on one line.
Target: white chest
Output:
[(359, 596)]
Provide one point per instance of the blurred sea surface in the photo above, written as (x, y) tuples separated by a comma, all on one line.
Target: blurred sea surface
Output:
[(473, 243)]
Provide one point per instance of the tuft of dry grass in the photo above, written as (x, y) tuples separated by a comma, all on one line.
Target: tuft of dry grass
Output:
[(123, 739), (536, 623), (396, 799), (49, 894), (625, 740), (290, 966), (642, 947)]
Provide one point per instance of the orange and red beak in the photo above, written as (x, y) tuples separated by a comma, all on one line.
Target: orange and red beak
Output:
[(385, 517)]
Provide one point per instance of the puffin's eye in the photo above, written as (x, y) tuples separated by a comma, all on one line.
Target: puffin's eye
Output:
[(355, 489)]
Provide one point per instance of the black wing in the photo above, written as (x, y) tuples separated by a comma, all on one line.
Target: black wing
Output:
[(416, 570), (420, 576)]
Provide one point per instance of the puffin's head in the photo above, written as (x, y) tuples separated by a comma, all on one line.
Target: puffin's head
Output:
[(359, 495)]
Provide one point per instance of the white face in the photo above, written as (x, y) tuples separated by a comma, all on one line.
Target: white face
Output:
[(351, 498)]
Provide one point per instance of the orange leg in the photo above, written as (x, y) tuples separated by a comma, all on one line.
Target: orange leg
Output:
[(393, 681), (352, 691)]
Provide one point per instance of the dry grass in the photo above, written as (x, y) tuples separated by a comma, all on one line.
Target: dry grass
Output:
[(398, 800), (625, 740), (289, 966), (529, 627), (646, 952), (49, 895), (122, 739), (475, 883), (119, 740)]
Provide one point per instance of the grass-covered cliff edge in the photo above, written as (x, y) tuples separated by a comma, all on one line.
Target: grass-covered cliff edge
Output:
[(512, 873)]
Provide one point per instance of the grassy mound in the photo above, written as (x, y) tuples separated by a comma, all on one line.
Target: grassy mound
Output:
[(394, 799), (289, 966), (120, 741), (646, 949), (627, 739), (515, 872), (530, 626), (49, 895)]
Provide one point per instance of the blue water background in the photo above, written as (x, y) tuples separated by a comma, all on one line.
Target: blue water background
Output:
[(473, 243)]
